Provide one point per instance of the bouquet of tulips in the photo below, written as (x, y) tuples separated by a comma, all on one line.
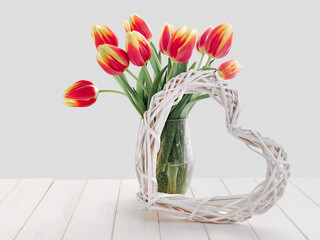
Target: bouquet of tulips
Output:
[(174, 159), (177, 44)]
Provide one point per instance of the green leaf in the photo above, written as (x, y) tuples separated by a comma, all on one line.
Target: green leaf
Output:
[(176, 111), (142, 78), (186, 110), (193, 66), (138, 100), (154, 61), (124, 88), (138, 87), (159, 56), (212, 60), (195, 95), (155, 84), (163, 81), (154, 64)]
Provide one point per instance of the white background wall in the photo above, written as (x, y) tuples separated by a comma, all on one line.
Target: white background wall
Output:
[(46, 46)]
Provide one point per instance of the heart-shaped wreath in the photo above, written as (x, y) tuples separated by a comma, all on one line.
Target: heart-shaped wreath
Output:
[(217, 209)]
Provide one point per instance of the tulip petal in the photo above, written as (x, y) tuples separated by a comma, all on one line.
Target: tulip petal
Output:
[(202, 38), (166, 34), (127, 26)]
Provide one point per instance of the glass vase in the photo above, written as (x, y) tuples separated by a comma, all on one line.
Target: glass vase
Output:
[(175, 158)]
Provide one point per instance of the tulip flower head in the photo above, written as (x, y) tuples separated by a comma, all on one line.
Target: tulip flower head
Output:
[(101, 34), (138, 48), (201, 40), (219, 41), (136, 23), (81, 94), (112, 59), (229, 69), (181, 44), (166, 34)]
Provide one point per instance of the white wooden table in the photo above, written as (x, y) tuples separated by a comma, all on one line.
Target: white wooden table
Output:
[(32, 209)]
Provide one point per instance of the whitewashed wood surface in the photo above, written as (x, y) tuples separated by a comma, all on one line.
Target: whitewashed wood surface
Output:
[(34, 209)]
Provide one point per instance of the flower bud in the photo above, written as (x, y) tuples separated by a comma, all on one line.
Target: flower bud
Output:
[(138, 48), (219, 41), (166, 34), (229, 69), (112, 59), (181, 44), (101, 34), (81, 94)]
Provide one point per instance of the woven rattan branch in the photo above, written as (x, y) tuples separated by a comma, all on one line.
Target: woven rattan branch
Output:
[(217, 209)]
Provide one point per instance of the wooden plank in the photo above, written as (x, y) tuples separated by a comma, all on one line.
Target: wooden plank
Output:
[(178, 228), (131, 222), (17, 207), (51, 218), (278, 225), (303, 212), (203, 188), (95, 214), (309, 186), (6, 185)]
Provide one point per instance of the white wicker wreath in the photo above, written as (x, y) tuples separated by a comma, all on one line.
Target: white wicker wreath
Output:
[(216, 209)]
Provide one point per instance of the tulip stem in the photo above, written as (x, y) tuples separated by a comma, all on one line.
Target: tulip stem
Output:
[(144, 67), (171, 70), (208, 61), (138, 81), (201, 59), (113, 91)]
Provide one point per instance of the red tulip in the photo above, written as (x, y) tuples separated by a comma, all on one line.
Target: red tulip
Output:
[(219, 41), (229, 69), (166, 34), (136, 23), (201, 40), (181, 44), (101, 34), (138, 48), (81, 94), (112, 59)]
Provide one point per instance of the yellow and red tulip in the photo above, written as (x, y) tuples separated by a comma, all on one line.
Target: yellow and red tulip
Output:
[(181, 44), (138, 48), (201, 40), (219, 41), (229, 69), (101, 34), (81, 94), (166, 34), (112, 59), (136, 23)]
